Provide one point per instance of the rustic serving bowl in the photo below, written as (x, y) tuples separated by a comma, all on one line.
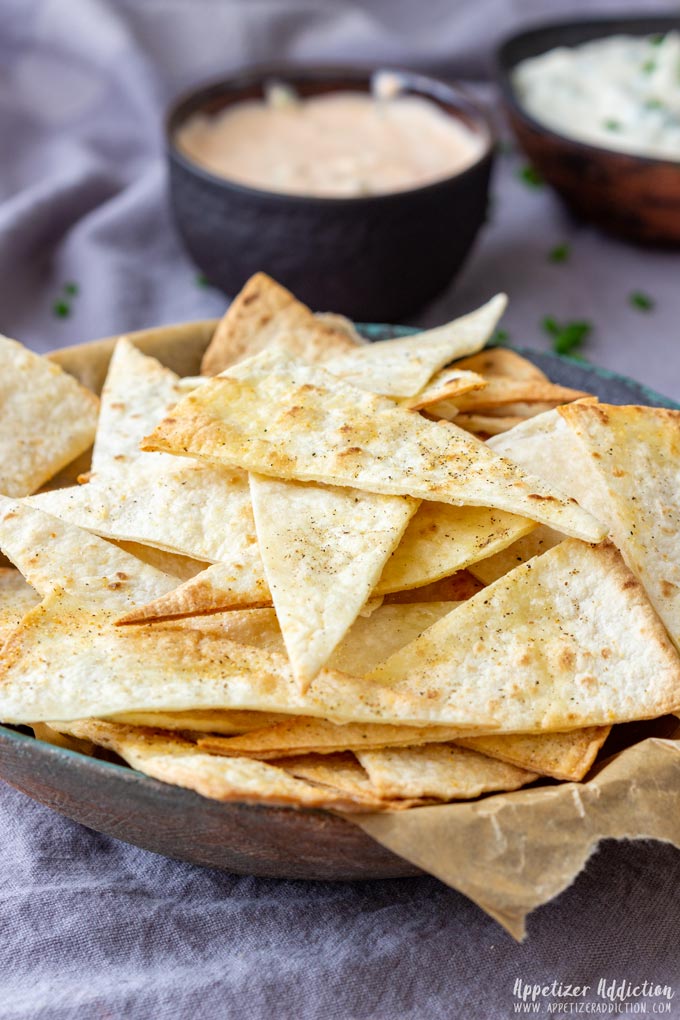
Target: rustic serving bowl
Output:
[(378, 257), (633, 196), (241, 838)]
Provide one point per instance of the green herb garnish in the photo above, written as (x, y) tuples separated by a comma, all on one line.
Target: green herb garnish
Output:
[(653, 104), (643, 302), (612, 125), (500, 337), (530, 176), (202, 280), (568, 336), (656, 40), (61, 309), (71, 289), (560, 253), (649, 66)]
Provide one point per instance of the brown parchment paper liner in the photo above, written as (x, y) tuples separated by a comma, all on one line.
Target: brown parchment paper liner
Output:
[(510, 852)]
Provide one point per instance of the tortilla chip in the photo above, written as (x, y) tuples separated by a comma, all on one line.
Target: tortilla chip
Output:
[(279, 417), (323, 551), (565, 641), (68, 661), (264, 314), (137, 393), (16, 598), (189, 508), (443, 771), (404, 366), (445, 385), (500, 391), (533, 544), (561, 755), (441, 540), (341, 324), (48, 419), (501, 363), (636, 452), (343, 773), (318, 736), (223, 722), (173, 760), (51, 553)]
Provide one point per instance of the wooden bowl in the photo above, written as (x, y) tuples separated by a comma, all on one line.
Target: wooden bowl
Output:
[(378, 257), (633, 196), (245, 839)]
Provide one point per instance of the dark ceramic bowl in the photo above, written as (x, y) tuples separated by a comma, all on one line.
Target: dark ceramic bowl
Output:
[(633, 196), (376, 257), (242, 838)]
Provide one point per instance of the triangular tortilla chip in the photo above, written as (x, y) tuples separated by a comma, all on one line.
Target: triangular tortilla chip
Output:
[(48, 419), (323, 550), (501, 363), (50, 553), (486, 425), (443, 771), (561, 755), (442, 539), (444, 385), (404, 366), (173, 760), (636, 452), (265, 314), (567, 640), (536, 542), (183, 507), (137, 393), (276, 416), (318, 736), (213, 721), (69, 661)]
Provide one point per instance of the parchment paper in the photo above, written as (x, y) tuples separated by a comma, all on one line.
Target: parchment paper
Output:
[(512, 852)]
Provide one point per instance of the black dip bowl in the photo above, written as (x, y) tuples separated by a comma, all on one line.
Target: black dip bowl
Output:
[(372, 258)]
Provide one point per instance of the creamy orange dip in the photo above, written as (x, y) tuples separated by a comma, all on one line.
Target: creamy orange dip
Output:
[(338, 145)]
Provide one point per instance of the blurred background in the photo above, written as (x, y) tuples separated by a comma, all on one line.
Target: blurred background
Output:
[(87, 243)]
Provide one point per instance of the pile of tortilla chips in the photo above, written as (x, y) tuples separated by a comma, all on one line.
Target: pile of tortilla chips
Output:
[(305, 578)]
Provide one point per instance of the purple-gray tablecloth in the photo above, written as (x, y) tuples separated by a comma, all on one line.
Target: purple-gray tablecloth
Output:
[(93, 928)]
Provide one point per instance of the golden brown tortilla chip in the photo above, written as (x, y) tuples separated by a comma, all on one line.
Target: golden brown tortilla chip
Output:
[(402, 367), (265, 314), (446, 384), (225, 723), (344, 774), (442, 771), (561, 755), (16, 598), (48, 419), (282, 418), (565, 641)]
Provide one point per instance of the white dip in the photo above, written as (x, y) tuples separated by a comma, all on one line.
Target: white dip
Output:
[(621, 92), (337, 145)]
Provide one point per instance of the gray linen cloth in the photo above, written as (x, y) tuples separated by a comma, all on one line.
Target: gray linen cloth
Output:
[(89, 926)]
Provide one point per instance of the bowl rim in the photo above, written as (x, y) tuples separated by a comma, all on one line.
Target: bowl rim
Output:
[(427, 85), (503, 68)]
